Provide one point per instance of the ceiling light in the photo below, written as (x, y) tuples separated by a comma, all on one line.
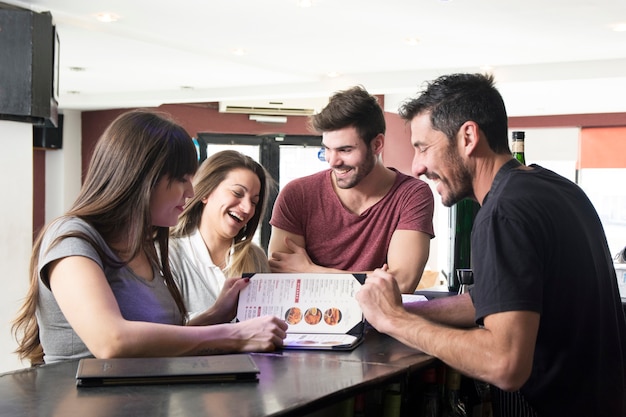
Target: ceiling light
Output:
[(261, 118), (619, 27), (239, 51), (332, 74), (107, 17), (412, 41), (305, 3)]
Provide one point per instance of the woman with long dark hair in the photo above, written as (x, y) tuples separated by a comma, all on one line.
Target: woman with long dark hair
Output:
[(101, 284)]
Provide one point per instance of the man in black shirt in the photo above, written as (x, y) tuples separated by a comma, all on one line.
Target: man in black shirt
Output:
[(543, 323)]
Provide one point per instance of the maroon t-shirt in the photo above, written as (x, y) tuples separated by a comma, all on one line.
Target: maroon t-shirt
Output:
[(337, 238)]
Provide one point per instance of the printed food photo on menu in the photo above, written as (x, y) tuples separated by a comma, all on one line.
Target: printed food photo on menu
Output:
[(332, 316), (293, 315), (313, 315)]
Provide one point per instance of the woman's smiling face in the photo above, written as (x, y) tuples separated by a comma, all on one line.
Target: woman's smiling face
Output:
[(232, 204)]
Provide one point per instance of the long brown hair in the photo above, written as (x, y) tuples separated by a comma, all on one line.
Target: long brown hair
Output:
[(210, 174), (132, 155)]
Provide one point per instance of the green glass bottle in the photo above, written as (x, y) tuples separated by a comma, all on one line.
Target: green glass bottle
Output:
[(453, 406), (518, 146), (462, 216)]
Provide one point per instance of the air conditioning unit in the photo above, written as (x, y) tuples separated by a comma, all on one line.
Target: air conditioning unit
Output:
[(294, 107)]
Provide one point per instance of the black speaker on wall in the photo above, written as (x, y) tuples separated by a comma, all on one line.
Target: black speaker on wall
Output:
[(49, 136), (29, 49)]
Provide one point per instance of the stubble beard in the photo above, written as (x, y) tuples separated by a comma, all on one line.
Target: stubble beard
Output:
[(361, 172), (460, 178)]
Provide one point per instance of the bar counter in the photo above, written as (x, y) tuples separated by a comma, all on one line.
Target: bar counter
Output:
[(291, 383)]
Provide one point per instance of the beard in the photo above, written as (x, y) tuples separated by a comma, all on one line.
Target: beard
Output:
[(359, 172), (459, 181)]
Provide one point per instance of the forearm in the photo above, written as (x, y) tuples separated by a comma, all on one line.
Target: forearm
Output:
[(500, 353), (142, 339), (455, 311), (463, 349), (207, 318)]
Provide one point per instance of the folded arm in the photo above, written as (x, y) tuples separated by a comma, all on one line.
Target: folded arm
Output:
[(406, 256), (287, 253)]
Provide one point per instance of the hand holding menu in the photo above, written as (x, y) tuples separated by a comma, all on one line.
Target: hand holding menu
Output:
[(320, 309)]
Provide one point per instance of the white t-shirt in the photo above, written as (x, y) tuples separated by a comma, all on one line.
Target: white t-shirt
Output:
[(200, 281)]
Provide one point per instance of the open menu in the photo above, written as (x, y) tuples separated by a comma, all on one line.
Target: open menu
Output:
[(320, 309)]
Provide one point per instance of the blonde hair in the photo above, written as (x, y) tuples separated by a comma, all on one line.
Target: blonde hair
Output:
[(246, 257)]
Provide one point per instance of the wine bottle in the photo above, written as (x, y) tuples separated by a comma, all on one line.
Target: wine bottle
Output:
[(453, 406), (431, 400), (518, 146), (392, 401), (462, 217)]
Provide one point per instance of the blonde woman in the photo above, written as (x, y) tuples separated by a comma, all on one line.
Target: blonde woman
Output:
[(213, 238)]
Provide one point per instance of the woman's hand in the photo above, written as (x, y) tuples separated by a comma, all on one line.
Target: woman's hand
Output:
[(261, 334), (225, 308)]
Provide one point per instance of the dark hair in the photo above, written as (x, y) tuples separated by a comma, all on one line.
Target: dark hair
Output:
[(352, 107), (455, 99), (132, 155), (209, 176)]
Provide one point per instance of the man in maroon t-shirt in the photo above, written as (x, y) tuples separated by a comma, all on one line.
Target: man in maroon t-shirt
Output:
[(358, 215)]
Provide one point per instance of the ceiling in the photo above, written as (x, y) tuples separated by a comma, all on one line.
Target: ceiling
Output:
[(548, 57)]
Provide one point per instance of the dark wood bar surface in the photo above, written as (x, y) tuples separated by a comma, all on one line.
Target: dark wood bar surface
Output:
[(291, 383)]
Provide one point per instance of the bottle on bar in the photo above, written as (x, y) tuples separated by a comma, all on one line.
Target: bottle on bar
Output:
[(453, 406), (518, 146), (462, 219), (431, 400)]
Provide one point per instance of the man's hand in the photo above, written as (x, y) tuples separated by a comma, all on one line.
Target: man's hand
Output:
[(380, 299), (296, 261)]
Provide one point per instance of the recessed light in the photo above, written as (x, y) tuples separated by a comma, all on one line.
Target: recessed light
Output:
[(107, 17), (77, 69), (619, 27), (239, 51), (332, 74), (305, 3), (411, 41)]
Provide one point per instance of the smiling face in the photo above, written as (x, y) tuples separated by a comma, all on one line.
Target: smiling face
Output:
[(231, 204), (168, 200), (440, 161), (350, 158)]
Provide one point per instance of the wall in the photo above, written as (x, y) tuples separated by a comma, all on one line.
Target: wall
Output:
[(61, 177), (194, 118), (63, 168), (16, 223), (602, 176)]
